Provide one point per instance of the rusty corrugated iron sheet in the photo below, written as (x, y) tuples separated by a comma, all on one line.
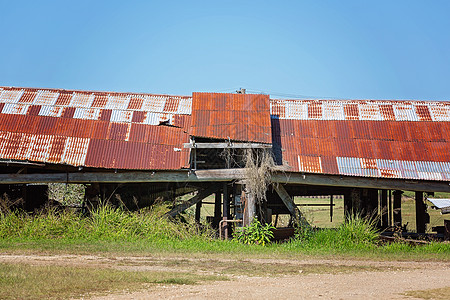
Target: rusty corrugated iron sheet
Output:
[(390, 149), (94, 129), (241, 117), (370, 138), (375, 110)]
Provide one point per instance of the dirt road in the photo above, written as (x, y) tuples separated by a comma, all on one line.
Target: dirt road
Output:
[(275, 279)]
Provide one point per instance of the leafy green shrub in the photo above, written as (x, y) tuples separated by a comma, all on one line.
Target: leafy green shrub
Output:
[(255, 233)]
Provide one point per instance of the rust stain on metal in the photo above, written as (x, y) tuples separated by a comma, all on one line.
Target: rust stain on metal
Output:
[(423, 113), (243, 117), (28, 97), (311, 164), (368, 140), (135, 103), (376, 110), (63, 99), (314, 110), (138, 116), (100, 101), (351, 111), (34, 110), (398, 139)]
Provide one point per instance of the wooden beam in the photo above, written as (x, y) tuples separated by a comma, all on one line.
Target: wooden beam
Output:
[(227, 145), (220, 174), (194, 200), (125, 177), (361, 182), (290, 204), (223, 175)]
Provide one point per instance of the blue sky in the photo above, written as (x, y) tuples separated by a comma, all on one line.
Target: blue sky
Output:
[(320, 49)]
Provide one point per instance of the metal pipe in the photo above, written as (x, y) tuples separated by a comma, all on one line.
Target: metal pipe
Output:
[(226, 221)]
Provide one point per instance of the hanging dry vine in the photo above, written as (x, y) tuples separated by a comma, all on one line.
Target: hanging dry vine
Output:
[(259, 164)]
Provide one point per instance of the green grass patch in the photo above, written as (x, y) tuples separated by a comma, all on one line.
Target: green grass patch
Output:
[(111, 230)]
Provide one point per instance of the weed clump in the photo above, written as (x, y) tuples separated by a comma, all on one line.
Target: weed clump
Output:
[(255, 233), (102, 223), (356, 233)]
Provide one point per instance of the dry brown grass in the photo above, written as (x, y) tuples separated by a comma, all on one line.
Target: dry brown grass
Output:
[(250, 268), (25, 281)]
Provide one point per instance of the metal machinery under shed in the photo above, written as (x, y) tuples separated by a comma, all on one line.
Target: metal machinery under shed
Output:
[(165, 146)]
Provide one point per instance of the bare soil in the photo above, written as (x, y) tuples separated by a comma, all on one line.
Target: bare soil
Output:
[(267, 278)]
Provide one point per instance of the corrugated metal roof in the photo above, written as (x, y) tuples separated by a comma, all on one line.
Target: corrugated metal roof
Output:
[(390, 139), (440, 203), (100, 100), (375, 110), (241, 117), (94, 129), (390, 149)]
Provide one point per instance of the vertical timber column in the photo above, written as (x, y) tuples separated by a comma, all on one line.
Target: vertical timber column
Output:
[(217, 209), (331, 208), (198, 208), (420, 213), (225, 210), (372, 203), (356, 195), (347, 205), (384, 211), (390, 215), (251, 207), (397, 208)]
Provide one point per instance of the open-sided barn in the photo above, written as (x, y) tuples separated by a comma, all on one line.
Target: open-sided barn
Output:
[(175, 144)]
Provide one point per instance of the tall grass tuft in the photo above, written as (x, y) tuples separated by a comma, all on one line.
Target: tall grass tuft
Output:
[(102, 223), (356, 233)]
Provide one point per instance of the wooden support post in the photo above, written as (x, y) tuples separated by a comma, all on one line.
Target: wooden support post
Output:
[(194, 200), (372, 203), (198, 208), (225, 207), (397, 208), (290, 205), (348, 207), (420, 213), (356, 195), (217, 209), (390, 215), (384, 209), (238, 203), (251, 207), (331, 208)]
